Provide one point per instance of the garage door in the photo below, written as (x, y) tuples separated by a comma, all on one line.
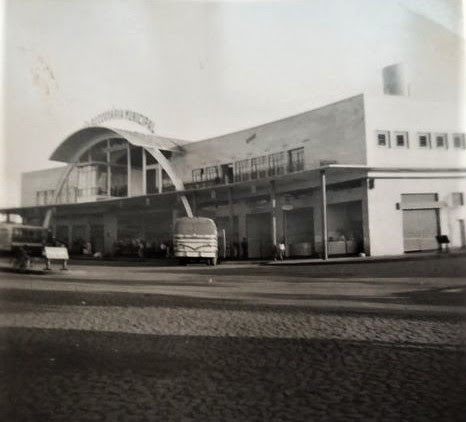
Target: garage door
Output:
[(259, 229), (419, 229), (300, 231)]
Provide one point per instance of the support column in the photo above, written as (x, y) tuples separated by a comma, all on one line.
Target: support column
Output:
[(159, 178), (110, 233), (109, 171), (128, 162), (273, 203), (144, 172), (323, 188), (231, 220)]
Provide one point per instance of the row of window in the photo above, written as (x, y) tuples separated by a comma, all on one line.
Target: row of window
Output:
[(424, 140), (254, 168)]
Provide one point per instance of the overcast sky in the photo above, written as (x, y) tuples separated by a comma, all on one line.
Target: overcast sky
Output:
[(198, 69)]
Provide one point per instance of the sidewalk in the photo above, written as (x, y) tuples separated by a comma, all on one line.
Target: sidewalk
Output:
[(415, 256)]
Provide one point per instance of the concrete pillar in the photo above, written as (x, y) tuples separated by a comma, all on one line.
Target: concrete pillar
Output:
[(242, 229), (273, 205), (128, 164), (174, 217), (231, 219), (323, 188), (144, 172), (365, 218), (110, 232), (159, 178), (109, 170)]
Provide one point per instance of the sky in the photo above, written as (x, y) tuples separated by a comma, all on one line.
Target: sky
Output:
[(198, 69)]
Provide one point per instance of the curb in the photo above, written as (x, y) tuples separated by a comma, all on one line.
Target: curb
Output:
[(367, 260)]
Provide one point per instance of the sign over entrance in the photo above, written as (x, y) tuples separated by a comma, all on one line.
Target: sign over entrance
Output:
[(118, 114)]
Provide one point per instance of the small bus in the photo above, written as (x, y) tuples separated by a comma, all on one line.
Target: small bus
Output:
[(14, 236), (195, 239)]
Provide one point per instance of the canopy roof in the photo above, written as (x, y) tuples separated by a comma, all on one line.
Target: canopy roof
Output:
[(89, 135)]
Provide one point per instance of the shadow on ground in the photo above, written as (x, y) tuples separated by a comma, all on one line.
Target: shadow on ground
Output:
[(58, 375), (19, 300)]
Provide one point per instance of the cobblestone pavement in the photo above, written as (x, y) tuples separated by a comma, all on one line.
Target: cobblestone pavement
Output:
[(68, 354)]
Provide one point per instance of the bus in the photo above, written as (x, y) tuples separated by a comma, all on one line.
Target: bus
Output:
[(14, 236), (195, 239)]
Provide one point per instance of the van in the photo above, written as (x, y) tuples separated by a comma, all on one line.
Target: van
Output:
[(195, 239)]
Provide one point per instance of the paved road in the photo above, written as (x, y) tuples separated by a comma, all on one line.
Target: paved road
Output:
[(362, 342)]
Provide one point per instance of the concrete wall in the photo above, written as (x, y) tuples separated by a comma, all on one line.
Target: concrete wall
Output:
[(396, 113), (40, 180), (385, 220), (332, 132)]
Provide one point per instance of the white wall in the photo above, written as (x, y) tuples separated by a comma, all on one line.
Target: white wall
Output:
[(332, 132), (385, 221), (396, 113), (40, 180)]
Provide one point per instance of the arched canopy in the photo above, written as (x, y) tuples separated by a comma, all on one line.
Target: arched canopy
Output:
[(89, 136), (71, 149)]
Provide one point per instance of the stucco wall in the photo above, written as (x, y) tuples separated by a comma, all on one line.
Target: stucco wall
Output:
[(395, 113), (333, 132), (35, 181), (386, 221)]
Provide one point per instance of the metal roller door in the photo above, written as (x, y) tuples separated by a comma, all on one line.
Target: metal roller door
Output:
[(420, 227), (259, 230)]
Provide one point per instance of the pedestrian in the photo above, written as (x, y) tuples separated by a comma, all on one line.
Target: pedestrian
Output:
[(281, 250), (141, 249)]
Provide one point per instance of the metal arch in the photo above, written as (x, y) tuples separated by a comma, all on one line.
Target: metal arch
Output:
[(155, 152), (177, 182)]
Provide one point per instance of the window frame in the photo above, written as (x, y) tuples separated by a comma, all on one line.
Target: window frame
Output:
[(298, 163), (405, 138), (277, 163), (211, 173), (195, 173), (461, 138), (457, 199), (428, 140), (445, 139), (242, 170), (386, 133)]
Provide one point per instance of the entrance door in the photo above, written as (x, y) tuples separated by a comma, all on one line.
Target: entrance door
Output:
[(299, 231), (420, 227), (259, 232)]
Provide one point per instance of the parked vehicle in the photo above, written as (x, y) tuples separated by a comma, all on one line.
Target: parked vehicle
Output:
[(16, 236), (195, 239)]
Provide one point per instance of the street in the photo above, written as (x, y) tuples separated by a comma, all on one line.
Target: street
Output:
[(238, 342)]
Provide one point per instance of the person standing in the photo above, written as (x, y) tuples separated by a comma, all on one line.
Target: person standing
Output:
[(281, 250)]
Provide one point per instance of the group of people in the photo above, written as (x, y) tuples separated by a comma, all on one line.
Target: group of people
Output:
[(142, 248)]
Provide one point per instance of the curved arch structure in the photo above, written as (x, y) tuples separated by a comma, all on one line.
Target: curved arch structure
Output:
[(72, 148)]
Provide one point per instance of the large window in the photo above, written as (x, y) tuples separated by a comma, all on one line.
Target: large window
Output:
[(296, 159), (277, 164), (258, 167), (197, 175), (242, 170), (211, 173)]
